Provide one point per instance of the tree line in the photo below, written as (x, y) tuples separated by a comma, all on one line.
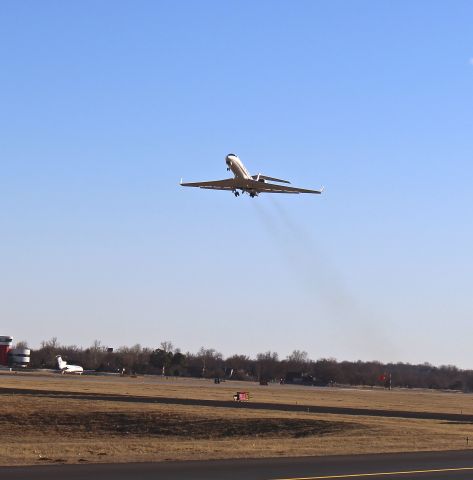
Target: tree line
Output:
[(265, 367)]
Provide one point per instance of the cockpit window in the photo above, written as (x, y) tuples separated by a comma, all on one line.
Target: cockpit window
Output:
[(231, 155)]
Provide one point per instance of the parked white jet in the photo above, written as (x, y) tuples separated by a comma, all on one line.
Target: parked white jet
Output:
[(251, 184), (65, 368)]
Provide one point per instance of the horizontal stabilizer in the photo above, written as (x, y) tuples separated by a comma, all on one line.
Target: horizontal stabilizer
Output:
[(271, 179)]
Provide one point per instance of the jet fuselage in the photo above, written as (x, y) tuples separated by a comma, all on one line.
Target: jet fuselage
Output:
[(236, 166)]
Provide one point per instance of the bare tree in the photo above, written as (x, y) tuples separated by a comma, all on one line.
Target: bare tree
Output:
[(52, 343), (167, 346), (268, 365), (298, 356)]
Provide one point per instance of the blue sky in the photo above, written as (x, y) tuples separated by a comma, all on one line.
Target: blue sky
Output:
[(106, 105)]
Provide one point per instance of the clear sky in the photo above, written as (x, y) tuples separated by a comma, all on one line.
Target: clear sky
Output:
[(104, 106)]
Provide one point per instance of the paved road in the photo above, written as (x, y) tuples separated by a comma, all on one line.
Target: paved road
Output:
[(455, 465), (449, 417)]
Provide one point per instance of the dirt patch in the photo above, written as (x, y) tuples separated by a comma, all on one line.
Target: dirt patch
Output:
[(170, 425)]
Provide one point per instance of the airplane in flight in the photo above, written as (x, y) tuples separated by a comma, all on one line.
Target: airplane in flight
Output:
[(246, 183), (63, 366)]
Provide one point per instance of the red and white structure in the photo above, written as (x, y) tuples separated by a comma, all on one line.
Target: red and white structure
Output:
[(16, 357), (5, 347)]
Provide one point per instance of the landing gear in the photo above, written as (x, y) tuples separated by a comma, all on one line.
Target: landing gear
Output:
[(252, 194), (236, 193)]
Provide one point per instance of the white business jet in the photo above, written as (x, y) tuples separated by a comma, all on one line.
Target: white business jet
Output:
[(246, 183), (65, 368)]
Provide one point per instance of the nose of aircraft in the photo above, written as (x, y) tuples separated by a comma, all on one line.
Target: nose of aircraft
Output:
[(229, 159)]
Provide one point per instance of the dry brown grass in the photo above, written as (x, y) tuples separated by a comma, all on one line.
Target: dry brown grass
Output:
[(39, 429), (377, 398)]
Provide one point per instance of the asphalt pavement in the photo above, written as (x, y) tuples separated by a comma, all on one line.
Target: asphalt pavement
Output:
[(453, 465)]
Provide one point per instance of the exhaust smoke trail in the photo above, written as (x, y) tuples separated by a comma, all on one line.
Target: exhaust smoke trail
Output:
[(266, 218), (356, 324)]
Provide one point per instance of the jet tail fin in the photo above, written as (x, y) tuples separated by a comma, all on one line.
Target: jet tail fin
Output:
[(260, 178), (61, 364)]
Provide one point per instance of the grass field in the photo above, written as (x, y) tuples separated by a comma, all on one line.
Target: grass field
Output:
[(397, 399), (44, 429)]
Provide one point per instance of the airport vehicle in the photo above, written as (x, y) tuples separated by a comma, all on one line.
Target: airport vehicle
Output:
[(241, 397), (246, 183), (64, 367)]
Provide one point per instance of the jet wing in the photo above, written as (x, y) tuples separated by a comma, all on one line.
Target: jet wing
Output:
[(274, 188), (250, 185), (227, 184)]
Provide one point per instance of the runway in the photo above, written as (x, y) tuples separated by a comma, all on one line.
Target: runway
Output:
[(442, 416), (453, 465)]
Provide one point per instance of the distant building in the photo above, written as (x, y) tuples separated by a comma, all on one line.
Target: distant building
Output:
[(299, 378), (17, 357), (5, 347)]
